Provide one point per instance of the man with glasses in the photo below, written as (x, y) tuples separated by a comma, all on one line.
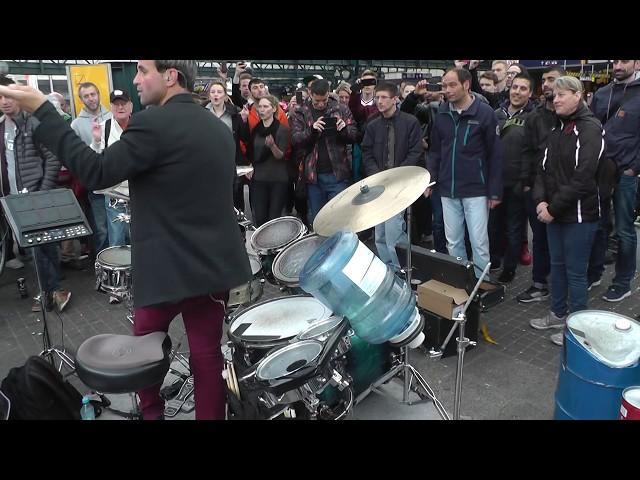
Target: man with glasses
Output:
[(392, 139), (179, 160)]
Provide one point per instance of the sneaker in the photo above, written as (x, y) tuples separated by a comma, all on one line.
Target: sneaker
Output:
[(551, 320), (595, 283), (14, 264), (113, 299), (525, 256), (36, 304), (495, 267), (637, 222), (616, 294), (557, 338), (533, 294), (506, 276), (61, 298)]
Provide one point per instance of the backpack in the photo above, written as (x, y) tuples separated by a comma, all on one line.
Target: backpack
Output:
[(37, 391)]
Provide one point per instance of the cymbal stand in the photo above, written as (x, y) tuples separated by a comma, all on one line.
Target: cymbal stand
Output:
[(463, 342), (403, 366)]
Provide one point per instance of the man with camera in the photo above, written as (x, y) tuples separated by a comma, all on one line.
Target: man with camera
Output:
[(392, 139), (321, 129)]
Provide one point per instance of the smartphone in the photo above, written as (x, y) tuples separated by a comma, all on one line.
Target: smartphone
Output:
[(299, 99), (433, 87), (223, 67), (330, 125), (366, 82)]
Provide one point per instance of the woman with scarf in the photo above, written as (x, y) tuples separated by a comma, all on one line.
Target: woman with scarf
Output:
[(266, 145)]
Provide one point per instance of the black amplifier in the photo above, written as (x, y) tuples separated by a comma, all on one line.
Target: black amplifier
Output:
[(45, 217)]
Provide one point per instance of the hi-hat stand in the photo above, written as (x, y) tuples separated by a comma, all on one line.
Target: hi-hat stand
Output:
[(408, 371), (462, 341)]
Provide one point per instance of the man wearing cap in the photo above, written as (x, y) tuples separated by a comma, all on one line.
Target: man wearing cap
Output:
[(92, 113), (105, 134)]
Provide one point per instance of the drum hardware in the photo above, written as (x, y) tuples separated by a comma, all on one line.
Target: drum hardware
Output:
[(463, 343), (242, 170), (39, 218), (366, 204)]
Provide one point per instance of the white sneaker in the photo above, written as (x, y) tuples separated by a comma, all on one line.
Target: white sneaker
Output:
[(14, 264), (557, 338)]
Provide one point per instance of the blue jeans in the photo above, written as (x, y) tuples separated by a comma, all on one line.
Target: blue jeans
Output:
[(319, 193), (98, 221), (47, 258), (624, 202), (600, 241), (439, 238), (388, 235), (118, 232), (475, 212), (540, 248), (569, 247)]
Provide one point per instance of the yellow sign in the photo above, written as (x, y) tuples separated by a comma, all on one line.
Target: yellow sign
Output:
[(99, 74)]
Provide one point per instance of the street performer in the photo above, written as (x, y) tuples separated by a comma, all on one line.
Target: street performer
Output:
[(187, 251)]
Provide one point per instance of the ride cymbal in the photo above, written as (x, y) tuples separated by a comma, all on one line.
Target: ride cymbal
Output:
[(372, 200)]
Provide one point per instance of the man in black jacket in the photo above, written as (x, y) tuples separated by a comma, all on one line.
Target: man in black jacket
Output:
[(392, 139), (179, 160), (508, 218), (30, 166)]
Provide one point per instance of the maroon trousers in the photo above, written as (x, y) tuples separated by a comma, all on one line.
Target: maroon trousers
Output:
[(203, 317)]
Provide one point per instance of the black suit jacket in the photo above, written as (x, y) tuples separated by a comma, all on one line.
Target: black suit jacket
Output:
[(179, 160)]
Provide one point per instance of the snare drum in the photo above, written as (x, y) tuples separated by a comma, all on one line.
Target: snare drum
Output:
[(249, 292), (272, 323), (272, 237), (288, 264), (113, 270)]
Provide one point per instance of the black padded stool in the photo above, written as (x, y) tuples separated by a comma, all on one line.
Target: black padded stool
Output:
[(111, 363)]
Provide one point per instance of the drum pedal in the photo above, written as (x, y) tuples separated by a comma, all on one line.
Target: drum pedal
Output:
[(172, 407), (170, 391), (190, 404)]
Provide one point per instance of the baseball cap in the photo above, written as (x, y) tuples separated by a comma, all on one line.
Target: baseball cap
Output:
[(119, 95)]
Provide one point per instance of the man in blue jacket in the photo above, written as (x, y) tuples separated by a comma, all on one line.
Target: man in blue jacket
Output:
[(392, 139), (617, 106), (465, 159)]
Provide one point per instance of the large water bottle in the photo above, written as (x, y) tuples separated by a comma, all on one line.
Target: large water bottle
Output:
[(349, 279), (87, 412)]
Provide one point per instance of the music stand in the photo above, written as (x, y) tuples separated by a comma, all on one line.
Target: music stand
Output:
[(40, 218)]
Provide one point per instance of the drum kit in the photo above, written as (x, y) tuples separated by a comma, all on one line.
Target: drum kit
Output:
[(292, 357)]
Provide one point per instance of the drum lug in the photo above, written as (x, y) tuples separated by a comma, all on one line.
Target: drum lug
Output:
[(337, 380)]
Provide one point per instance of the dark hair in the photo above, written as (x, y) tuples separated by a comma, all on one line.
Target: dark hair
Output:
[(555, 68), (6, 81), (87, 85), (387, 87), (489, 75), (255, 80), (319, 87), (188, 69), (528, 78), (462, 74)]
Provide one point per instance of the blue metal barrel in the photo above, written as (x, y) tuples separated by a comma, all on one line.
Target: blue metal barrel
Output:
[(597, 365)]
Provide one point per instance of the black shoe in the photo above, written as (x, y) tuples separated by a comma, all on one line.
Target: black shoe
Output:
[(506, 276), (495, 266), (533, 294)]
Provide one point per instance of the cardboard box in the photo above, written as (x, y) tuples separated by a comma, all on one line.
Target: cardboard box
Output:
[(441, 299)]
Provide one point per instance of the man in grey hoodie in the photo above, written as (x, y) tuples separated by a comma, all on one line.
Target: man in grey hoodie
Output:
[(93, 112)]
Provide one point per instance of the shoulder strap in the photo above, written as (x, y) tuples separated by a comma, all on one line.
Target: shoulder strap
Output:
[(107, 131)]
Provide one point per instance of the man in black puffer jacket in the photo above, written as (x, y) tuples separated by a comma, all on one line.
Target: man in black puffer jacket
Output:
[(31, 166)]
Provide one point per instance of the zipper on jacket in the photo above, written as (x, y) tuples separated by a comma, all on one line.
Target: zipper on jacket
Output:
[(481, 172), (453, 155), (466, 135)]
